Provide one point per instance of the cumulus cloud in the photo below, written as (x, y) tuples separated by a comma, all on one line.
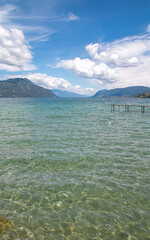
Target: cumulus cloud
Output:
[(50, 82), (15, 54), (89, 69), (126, 52), (120, 63)]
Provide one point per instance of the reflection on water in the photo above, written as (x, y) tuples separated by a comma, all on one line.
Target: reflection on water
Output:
[(67, 173)]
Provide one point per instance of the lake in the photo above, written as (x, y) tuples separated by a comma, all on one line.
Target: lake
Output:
[(70, 169)]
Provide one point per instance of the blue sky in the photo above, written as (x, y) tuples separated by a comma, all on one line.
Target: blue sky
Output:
[(73, 45)]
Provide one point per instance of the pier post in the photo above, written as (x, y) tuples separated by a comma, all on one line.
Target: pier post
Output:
[(112, 108), (142, 109), (126, 108)]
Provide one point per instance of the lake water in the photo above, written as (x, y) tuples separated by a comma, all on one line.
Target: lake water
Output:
[(70, 169)]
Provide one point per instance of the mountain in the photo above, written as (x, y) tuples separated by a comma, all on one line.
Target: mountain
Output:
[(65, 94), (22, 87), (122, 92)]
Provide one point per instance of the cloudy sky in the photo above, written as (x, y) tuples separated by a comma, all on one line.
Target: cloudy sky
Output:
[(80, 46)]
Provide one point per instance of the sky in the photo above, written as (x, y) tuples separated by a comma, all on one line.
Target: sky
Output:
[(80, 46)]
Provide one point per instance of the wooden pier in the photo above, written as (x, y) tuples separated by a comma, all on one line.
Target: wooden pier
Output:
[(128, 107)]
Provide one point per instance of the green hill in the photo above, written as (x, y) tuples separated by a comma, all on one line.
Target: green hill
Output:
[(122, 92), (22, 87)]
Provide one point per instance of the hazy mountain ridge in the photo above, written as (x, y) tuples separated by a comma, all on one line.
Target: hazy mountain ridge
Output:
[(65, 94), (122, 92), (22, 87)]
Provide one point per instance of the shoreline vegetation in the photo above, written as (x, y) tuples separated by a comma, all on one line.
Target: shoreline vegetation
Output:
[(144, 95)]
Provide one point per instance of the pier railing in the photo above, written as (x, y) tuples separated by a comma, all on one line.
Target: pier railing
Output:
[(128, 107)]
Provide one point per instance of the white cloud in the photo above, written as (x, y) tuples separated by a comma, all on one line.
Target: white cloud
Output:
[(126, 52), (148, 28), (12, 17), (15, 54), (137, 76), (35, 29), (6, 12), (120, 63), (70, 17), (89, 69), (50, 82)]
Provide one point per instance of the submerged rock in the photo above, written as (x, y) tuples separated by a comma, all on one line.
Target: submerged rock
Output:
[(124, 235), (5, 225)]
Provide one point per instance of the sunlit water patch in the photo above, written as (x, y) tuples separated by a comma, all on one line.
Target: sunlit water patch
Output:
[(73, 170)]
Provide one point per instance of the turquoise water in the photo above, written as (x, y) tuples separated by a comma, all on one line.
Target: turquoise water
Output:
[(74, 170)]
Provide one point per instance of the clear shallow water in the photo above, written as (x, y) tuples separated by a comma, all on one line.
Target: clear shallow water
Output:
[(72, 170)]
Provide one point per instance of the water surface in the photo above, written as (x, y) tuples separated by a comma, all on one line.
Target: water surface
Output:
[(70, 169)]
